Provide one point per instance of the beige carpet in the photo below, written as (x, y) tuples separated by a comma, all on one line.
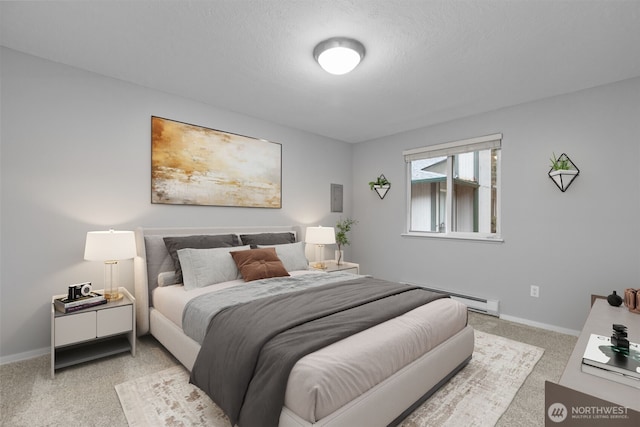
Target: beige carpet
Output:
[(477, 396)]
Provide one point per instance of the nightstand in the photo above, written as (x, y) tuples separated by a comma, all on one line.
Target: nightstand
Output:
[(348, 267), (93, 333)]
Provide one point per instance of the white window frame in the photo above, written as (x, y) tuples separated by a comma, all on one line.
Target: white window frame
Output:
[(449, 149)]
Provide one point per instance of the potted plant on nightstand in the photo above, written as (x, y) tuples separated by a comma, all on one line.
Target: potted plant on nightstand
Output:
[(343, 227), (563, 171), (381, 185)]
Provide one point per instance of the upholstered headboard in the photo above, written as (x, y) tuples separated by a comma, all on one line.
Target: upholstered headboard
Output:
[(154, 258)]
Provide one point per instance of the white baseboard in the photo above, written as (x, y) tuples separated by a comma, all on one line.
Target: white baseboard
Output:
[(540, 325), (25, 356)]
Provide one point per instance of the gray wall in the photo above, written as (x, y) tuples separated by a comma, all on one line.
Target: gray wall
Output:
[(574, 244), (76, 157)]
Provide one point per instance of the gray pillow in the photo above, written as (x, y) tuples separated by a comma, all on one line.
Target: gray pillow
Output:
[(158, 259), (267, 239), (292, 255), (205, 267), (167, 278), (204, 241)]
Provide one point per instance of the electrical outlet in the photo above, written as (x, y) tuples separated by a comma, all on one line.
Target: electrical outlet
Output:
[(535, 291)]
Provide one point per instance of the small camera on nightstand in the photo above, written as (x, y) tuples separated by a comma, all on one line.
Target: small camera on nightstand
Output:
[(79, 290)]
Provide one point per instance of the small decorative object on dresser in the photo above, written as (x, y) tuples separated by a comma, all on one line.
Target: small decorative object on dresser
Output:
[(632, 299), (614, 299)]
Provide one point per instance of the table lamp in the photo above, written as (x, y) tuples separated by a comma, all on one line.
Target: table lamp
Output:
[(110, 246), (320, 236)]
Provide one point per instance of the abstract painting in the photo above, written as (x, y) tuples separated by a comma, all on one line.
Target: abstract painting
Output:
[(194, 165)]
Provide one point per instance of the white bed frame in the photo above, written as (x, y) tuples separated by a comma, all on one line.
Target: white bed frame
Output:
[(388, 403)]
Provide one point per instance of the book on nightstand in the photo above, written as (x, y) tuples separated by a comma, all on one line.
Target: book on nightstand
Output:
[(65, 305), (602, 360)]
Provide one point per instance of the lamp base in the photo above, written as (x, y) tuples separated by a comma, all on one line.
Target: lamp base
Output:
[(113, 296), (320, 266)]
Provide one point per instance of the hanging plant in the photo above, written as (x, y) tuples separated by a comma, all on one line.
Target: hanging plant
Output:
[(563, 171), (560, 163), (381, 181), (381, 186)]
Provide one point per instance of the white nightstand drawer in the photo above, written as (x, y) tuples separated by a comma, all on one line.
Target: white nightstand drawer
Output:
[(351, 270), (76, 328), (114, 321)]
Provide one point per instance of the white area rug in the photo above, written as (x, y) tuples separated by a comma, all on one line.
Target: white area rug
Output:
[(477, 396)]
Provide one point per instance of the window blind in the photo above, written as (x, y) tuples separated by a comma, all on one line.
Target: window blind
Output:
[(488, 142)]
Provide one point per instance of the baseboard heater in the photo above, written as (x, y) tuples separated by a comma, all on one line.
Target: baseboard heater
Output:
[(474, 303)]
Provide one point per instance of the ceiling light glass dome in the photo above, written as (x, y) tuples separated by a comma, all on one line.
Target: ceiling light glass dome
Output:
[(339, 55)]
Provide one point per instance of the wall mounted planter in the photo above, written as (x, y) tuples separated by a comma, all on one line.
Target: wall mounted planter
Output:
[(381, 186), (382, 190), (563, 177)]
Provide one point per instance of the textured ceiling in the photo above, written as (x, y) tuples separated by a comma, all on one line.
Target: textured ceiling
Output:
[(427, 61)]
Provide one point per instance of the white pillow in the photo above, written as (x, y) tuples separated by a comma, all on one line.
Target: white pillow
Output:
[(205, 267), (291, 254)]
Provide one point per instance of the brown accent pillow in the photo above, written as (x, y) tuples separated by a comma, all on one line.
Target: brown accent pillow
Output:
[(257, 264)]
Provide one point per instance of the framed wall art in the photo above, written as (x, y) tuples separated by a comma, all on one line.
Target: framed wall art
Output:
[(194, 165)]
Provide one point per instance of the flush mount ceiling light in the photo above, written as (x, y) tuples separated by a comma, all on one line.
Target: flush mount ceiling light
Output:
[(339, 55)]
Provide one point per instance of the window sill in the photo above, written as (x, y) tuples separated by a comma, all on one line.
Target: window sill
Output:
[(456, 236)]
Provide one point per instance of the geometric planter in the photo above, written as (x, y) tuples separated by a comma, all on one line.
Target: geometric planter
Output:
[(564, 177), (381, 185), (382, 190)]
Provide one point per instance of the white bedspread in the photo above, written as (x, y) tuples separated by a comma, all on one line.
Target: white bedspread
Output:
[(325, 380)]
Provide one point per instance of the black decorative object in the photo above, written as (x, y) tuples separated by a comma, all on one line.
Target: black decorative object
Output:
[(619, 340), (563, 171), (614, 299)]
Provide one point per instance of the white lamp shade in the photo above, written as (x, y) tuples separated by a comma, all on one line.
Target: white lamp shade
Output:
[(320, 235), (109, 245)]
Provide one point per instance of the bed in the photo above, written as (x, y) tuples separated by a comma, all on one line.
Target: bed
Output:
[(395, 365)]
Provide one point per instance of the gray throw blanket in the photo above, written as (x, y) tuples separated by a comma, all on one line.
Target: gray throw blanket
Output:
[(250, 349), (199, 311)]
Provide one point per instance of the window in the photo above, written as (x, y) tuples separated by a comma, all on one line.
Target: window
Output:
[(454, 189)]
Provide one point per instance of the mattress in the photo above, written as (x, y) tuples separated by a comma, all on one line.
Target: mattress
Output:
[(323, 381)]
